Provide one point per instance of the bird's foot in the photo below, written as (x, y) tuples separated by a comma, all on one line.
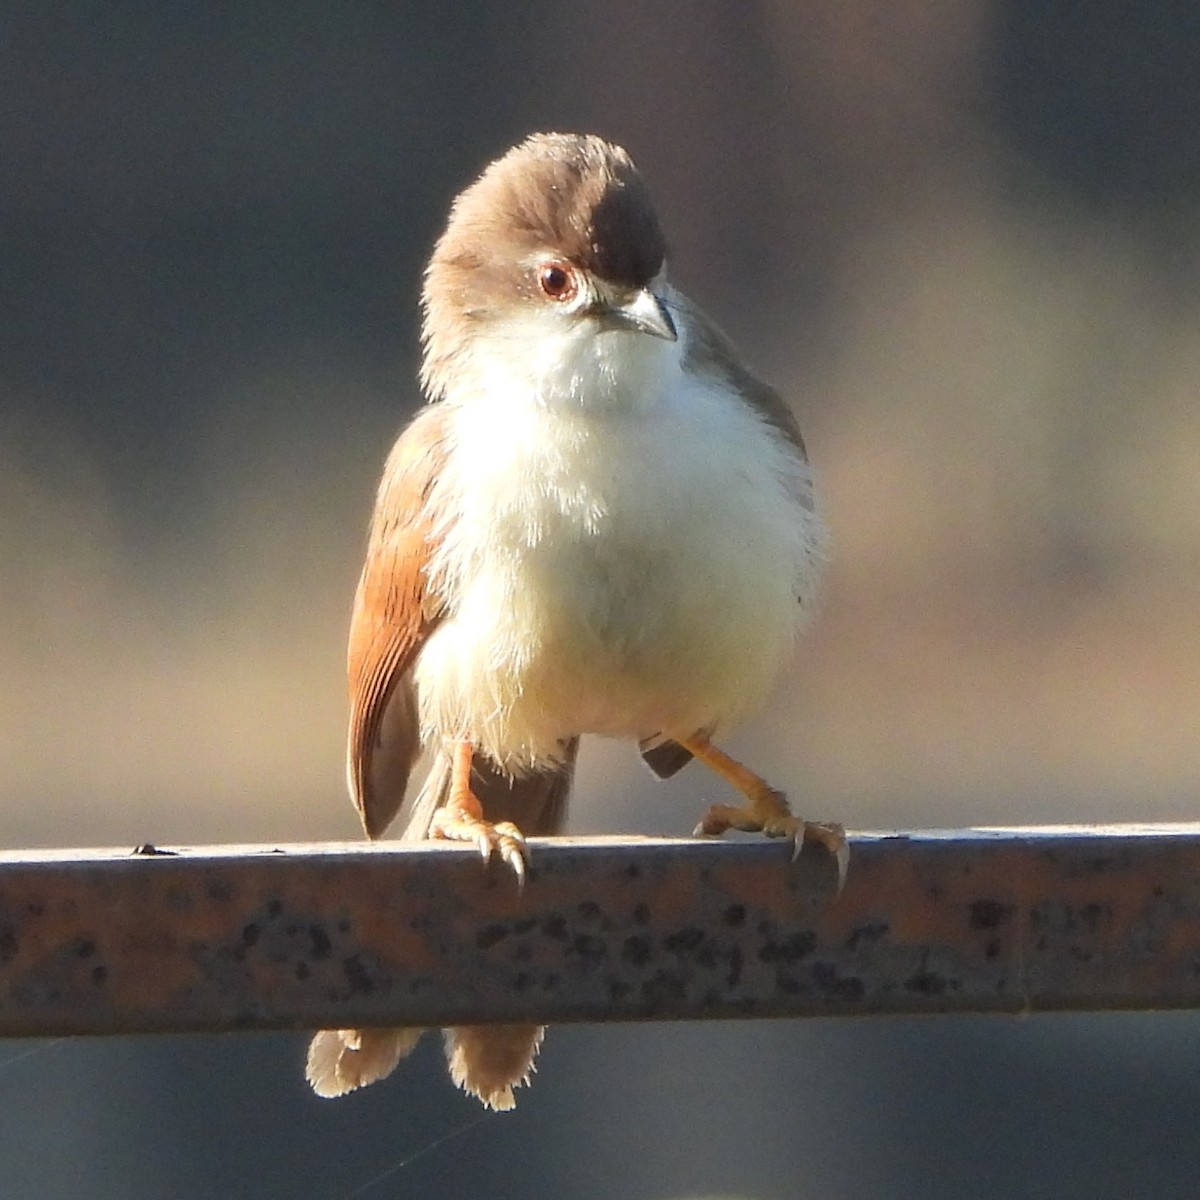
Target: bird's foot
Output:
[(461, 819), (453, 824), (767, 812)]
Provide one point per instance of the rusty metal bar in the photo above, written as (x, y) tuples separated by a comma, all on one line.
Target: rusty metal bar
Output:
[(604, 930)]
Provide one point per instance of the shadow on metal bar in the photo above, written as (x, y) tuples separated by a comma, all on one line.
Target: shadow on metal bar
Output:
[(306, 937)]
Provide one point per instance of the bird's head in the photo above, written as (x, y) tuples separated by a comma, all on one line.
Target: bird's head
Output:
[(556, 245)]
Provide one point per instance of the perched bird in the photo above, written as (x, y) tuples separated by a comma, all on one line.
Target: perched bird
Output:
[(600, 523)]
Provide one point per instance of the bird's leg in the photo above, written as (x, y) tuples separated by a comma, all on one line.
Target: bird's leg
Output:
[(766, 809), (461, 818)]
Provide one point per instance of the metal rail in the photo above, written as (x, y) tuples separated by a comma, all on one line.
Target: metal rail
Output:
[(307, 937)]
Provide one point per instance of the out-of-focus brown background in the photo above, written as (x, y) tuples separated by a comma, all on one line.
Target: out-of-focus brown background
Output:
[(963, 239)]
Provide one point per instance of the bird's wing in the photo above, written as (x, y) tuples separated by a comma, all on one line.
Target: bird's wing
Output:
[(394, 613)]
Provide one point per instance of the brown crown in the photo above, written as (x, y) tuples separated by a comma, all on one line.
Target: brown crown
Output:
[(572, 196)]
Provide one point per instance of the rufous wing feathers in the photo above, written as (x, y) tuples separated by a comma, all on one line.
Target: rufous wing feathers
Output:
[(394, 613)]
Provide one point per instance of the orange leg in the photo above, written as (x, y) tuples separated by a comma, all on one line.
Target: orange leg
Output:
[(461, 818), (766, 810)]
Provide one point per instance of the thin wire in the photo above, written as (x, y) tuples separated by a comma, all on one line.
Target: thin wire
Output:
[(416, 1154), (24, 1054)]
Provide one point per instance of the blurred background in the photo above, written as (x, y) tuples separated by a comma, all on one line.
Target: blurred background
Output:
[(962, 238)]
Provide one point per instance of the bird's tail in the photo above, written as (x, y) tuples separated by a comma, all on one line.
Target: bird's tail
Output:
[(487, 1061)]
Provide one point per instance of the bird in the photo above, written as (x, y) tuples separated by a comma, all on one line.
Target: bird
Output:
[(600, 522)]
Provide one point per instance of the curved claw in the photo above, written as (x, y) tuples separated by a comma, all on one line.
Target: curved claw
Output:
[(842, 856), (504, 838), (833, 837), (514, 856), (510, 842), (778, 822)]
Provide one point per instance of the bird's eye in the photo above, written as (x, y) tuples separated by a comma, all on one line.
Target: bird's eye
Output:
[(557, 280)]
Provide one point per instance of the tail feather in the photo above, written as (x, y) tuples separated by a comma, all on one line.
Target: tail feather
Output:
[(487, 1061), (341, 1060)]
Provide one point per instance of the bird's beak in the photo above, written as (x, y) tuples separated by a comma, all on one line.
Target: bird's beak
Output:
[(644, 312)]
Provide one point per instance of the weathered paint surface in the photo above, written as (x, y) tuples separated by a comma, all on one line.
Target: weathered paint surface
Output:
[(604, 930)]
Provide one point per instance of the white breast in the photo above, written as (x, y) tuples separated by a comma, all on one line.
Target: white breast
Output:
[(628, 554)]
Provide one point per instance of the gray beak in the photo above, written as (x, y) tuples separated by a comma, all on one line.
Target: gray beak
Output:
[(645, 313)]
